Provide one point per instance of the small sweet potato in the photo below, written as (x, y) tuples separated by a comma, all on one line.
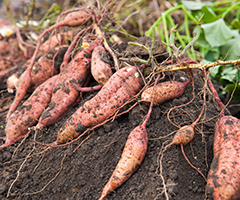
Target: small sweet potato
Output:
[(121, 86), (100, 68), (223, 182), (28, 113), (165, 91), (183, 136)]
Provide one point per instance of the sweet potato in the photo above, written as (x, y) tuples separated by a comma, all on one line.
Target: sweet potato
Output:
[(223, 181), (121, 86), (75, 18), (42, 70), (165, 91), (28, 113), (64, 93), (100, 68), (183, 136), (131, 158)]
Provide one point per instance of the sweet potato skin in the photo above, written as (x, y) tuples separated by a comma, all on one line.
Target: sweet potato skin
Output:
[(100, 70), (165, 91), (122, 85), (131, 158), (224, 175), (27, 114), (64, 93)]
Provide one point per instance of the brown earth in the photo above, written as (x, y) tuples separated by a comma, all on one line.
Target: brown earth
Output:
[(69, 173)]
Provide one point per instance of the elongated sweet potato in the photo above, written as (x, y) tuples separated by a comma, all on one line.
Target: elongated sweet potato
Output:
[(64, 93), (223, 182), (28, 113), (41, 71), (121, 86), (100, 69), (131, 158), (165, 91)]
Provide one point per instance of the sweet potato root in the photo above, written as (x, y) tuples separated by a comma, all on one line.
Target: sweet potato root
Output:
[(75, 18), (64, 93), (165, 91), (183, 136), (41, 71), (121, 86), (100, 69), (223, 182), (27, 114), (131, 158)]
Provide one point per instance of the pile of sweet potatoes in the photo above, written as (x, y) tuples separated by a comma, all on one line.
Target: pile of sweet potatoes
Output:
[(55, 88)]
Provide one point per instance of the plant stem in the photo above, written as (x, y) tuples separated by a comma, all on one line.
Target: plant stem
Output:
[(7, 3), (234, 6)]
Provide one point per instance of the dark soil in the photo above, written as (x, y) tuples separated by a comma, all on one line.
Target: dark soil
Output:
[(81, 173)]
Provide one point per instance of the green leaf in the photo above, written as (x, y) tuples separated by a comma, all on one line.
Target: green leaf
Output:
[(235, 24), (57, 9), (209, 15), (228, 75), (229, 88), (202, 41), (193, 5), (215, 72), (217, 33), (212, 54), (231, 50)]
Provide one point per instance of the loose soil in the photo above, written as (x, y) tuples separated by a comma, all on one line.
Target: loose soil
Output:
[(74, 172)]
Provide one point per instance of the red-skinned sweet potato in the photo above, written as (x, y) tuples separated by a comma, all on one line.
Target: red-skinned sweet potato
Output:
[(100, 69), (121, 86), (165, 91), (131, 158), (64, 93), (28, 113), (223, 182)]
